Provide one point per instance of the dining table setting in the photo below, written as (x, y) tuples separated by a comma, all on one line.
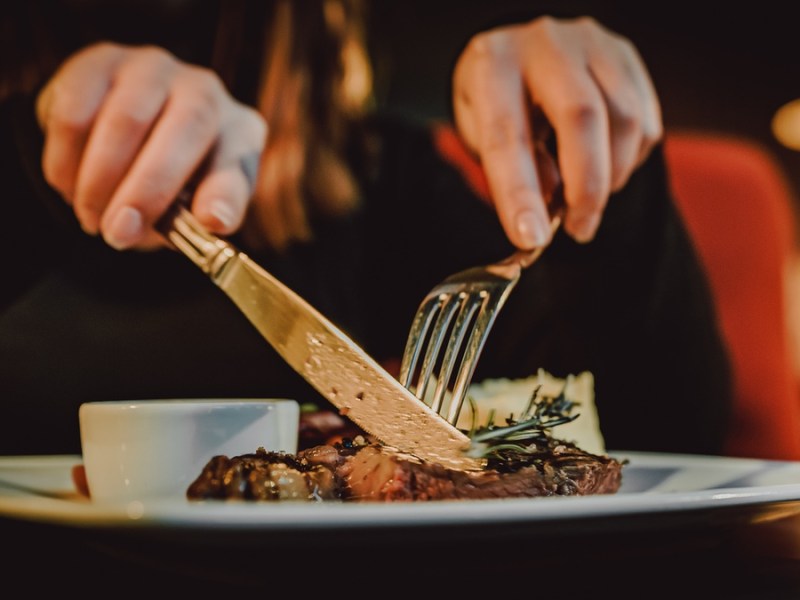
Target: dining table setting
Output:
[(665, 525), (734, 543), (220, 229)]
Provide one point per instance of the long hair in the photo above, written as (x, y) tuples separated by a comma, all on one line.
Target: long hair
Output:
[(311, 80), (315, 83)]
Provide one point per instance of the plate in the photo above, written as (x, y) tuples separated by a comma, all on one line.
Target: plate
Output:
[(690, 515), (658, 491)]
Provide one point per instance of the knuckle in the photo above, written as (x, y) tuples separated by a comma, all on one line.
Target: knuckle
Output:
[(155, 190), (588, 22), (130, 116), (205, 82), (490, 46), (592, 30), (503, 135), (202, 111), (545, 31), (156, 56), (580, 114), (544, 25), (263, 128), (67, 112), (254, 126), (627, 115), (100, 50), (627, 47), (516, 193)]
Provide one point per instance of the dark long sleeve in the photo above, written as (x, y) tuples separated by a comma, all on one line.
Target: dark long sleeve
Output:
[(632, 307), (38, 227)]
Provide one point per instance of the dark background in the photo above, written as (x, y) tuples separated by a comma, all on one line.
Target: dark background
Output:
[(717, 66)]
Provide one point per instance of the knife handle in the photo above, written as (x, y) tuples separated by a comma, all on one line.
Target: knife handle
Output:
[(179, 226)]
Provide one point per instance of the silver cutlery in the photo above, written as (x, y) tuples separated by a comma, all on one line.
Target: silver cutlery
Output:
[(453, 321), (326, 357)]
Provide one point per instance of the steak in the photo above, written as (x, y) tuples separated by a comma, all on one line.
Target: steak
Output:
[(363, 471)]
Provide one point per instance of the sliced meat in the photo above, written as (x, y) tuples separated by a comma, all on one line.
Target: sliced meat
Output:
[(365, 472), (264, 476), (377, 474)]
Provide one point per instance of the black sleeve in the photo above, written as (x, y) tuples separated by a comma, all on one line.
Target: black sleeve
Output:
[(38, 226), (633, 307)]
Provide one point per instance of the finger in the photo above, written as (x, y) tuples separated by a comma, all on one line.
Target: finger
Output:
[(634, 109), (463, 111), (66, 110), (181, 139), (131, 107), (652, 126), (221, 199), (624, 117), (562, 86), (549, 176), (222, 196), (504, 144)]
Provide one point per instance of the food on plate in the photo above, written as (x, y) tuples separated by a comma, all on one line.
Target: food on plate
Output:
[(504, 397), (78, 475), (363, 471), (523, 459)]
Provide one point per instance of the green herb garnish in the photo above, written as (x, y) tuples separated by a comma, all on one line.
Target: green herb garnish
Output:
[(527, 434)]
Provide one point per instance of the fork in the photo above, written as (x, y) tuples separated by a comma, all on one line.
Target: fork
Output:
[(461, 309)]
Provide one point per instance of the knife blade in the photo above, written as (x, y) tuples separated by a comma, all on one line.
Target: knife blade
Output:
[(335, 365)]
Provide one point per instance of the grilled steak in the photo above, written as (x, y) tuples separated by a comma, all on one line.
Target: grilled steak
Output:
[(363, 471)]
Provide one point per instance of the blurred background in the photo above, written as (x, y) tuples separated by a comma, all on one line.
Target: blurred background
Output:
[(718, 66)]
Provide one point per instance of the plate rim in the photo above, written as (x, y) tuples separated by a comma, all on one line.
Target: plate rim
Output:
[(61, 506)]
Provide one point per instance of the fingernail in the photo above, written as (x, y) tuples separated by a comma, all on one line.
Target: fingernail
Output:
[(532, 231), (125, 229), (223, 213)]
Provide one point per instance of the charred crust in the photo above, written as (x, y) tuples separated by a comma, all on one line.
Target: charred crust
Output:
[(355, 470)]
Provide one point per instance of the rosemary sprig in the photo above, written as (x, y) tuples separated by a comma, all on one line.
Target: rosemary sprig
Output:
[(526, 434)]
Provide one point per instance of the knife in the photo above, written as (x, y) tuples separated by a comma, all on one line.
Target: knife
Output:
[(338, 368)]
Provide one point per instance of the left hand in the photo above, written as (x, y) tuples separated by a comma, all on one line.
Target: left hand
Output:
[(514, 86), (126, 128)]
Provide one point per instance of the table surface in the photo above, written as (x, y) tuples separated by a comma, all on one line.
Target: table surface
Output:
[(704, 550), (760, 561)]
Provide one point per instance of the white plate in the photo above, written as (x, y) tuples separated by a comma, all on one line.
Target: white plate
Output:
[(659, 490)]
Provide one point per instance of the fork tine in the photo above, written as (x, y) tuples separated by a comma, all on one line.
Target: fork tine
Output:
[(469, 305), (419, 329), (449, 307), (480, 331), (483, 289)]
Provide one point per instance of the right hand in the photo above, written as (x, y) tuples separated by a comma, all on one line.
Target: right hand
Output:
[(515, 85), (126, 128)]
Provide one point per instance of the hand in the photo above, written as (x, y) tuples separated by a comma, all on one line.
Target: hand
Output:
[(514, 86), (126, 128)]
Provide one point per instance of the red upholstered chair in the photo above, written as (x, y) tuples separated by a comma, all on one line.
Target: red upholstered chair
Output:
[(737, 205)]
